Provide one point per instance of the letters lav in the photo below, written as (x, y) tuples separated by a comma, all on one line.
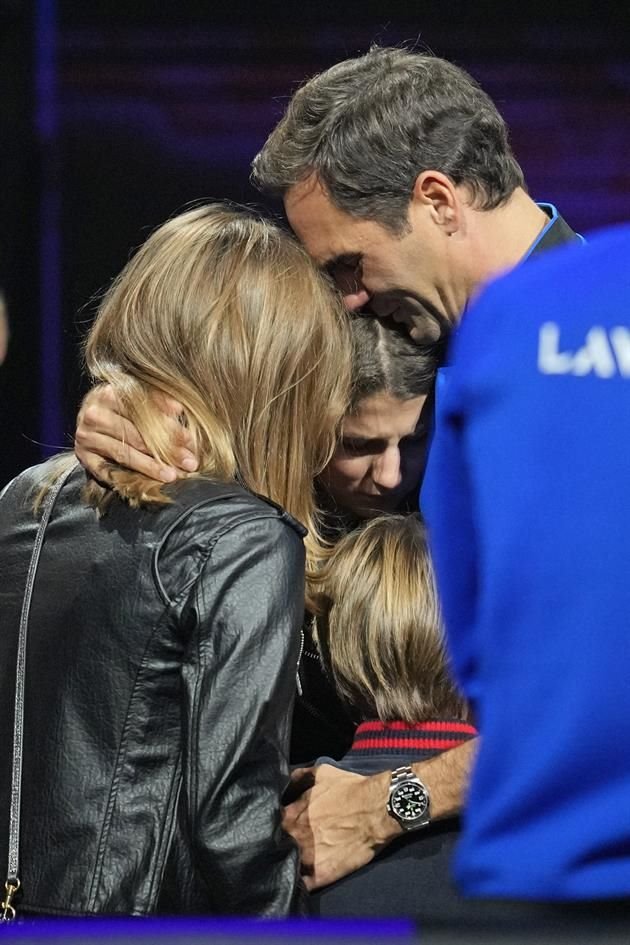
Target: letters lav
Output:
[(605, 352)]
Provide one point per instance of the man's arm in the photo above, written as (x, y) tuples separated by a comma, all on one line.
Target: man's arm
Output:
[(341, 823)]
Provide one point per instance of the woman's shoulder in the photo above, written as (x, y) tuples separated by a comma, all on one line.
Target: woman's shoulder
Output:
[(224, 527), (201, 499), (22, 490), (208, 520)]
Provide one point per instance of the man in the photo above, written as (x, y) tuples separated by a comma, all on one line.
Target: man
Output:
[(397, 176), (530, 521)]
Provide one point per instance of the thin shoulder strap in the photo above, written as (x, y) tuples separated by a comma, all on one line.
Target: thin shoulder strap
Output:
[(12, 883)]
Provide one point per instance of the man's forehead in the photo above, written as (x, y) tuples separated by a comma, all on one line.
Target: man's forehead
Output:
[(321, 227)]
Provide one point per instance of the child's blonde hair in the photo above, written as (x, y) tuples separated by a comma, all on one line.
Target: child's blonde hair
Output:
[(379, 627)]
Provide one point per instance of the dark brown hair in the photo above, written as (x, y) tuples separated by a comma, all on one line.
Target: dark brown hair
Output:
[(386, 358), (368, 126)]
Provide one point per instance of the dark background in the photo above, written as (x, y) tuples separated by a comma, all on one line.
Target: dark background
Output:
[(114, 115)]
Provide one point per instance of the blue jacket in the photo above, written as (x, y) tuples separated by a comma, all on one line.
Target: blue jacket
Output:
[(528, 503)]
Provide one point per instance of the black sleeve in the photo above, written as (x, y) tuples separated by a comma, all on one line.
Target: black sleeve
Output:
[(239, 682)]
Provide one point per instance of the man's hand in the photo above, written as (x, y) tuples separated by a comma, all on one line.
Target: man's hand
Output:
[(339, 823), (105, 435)]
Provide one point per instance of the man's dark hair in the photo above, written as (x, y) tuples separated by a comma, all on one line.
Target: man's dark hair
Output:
[(368, 126)]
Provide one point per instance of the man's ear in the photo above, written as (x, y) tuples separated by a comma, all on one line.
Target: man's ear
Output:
[(437, 194)]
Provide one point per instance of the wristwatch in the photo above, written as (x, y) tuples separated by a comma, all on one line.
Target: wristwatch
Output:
[(408, 800)]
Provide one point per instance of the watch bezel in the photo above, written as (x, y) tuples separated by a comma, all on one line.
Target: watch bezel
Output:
[(418, 820)]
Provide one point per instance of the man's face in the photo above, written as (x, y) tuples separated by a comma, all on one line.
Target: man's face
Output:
[(411, 278), (380, 457)]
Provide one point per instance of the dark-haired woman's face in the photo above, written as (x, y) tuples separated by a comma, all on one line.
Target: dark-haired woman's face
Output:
[(379, 460)]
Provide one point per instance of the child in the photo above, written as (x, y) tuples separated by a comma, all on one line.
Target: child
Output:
[(379, 632)]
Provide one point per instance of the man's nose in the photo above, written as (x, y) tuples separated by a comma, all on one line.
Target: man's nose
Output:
[(386, 472), (356, 299)]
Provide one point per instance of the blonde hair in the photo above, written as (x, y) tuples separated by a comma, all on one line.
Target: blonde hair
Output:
[(228, 315), (379, 626)]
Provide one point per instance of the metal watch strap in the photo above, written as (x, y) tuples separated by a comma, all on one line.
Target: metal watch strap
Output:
[(12, 884), (404, 773)]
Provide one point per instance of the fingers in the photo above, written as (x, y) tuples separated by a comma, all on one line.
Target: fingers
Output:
[(184, 455), (104, 433), (100, 413), (332, 823), (293, 812), (296, 823), (106, 450), (301, 780), (95, 421), (104, 436)]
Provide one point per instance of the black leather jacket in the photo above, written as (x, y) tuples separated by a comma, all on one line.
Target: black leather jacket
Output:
[(161, 668)]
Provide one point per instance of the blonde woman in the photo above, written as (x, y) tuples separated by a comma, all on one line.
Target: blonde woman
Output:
[(164, 630), (376, 467), (380, 636)]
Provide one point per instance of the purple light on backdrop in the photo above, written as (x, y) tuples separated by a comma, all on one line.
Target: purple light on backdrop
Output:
[(208, 931), (46, 124)]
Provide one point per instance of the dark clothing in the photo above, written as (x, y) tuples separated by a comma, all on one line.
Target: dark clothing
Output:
[(412, 876), (163, 646), (557, 232), (321, 723)]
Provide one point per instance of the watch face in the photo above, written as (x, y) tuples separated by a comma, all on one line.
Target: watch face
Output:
[(409, 801)]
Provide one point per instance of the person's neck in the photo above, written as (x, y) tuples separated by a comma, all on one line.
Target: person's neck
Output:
[(504, 235)]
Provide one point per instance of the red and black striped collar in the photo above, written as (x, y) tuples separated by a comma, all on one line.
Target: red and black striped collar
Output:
[(423, 739)]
